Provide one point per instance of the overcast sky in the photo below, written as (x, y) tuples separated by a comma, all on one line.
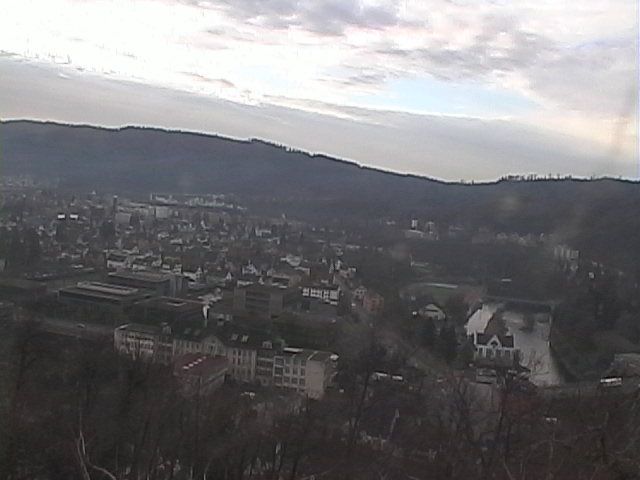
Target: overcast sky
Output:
[(448, 88)]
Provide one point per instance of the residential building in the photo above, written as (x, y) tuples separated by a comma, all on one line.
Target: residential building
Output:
[(373, 303), (117, 260), (359, 293), (327, 293), (494, 348)]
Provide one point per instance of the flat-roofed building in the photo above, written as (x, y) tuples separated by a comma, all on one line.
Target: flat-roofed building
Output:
[(102, 294), (170, 310), (307, 371), (161, 284), (268, 301)]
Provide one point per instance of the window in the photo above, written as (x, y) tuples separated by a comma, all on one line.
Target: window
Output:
[(302, 381), (294, 381)]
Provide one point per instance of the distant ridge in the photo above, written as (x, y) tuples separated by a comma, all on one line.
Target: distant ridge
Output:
[(289, 149)]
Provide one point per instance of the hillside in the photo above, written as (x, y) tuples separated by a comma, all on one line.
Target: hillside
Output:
[(598, 216)]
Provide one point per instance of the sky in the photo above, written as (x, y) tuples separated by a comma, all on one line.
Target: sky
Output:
[(453, 89)]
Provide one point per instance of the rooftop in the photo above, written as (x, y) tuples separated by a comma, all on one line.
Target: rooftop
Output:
[(106, 288), (316, 355), (150, 277), (506, 341), (101, 291), (137, 327), (265, 288), (197, 364), (171, 304)]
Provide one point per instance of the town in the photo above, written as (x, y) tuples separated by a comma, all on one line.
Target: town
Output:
[(391, 320)]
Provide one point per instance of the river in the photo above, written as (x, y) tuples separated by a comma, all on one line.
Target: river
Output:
[(533, 344)]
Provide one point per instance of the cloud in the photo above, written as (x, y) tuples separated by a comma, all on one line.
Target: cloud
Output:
[(441, 146), (330, 17), (572, 64)]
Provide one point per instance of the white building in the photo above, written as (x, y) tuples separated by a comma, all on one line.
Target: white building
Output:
[(494, 347), (306, 371), (359, 293), (327, 293), (145, 342)]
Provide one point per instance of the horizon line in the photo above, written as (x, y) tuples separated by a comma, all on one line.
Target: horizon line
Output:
[(513, 177)]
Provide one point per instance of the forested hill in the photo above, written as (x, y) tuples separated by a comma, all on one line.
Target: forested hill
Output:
[(600, 215)]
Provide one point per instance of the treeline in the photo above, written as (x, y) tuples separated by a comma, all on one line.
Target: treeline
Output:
[(75, 410), (598, 317)]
